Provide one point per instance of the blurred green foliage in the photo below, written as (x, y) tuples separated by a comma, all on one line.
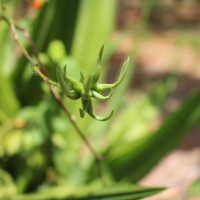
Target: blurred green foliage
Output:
[(194, 188), (40, 152)]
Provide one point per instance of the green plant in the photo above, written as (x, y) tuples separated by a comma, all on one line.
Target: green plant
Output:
[(88, 88), (85, 89), (42, 157)]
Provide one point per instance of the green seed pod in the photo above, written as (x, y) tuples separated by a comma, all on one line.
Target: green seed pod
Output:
[(65, 85), (103, 86), (76, 85), (87, 106), (82, 113), (87, 87), (73, 95), (99, 118), (82, 77), (95, 76), (99, 96)]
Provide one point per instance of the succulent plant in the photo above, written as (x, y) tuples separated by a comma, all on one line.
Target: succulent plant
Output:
[(88, 88)]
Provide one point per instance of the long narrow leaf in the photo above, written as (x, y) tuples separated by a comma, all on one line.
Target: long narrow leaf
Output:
[(134, 160), (118, 192), (94, 25)]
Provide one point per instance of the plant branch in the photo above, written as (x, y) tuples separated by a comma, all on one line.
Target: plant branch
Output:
[(41, 71), (39, 68)]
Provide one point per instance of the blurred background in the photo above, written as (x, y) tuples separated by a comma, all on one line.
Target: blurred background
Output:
[(153, 139)]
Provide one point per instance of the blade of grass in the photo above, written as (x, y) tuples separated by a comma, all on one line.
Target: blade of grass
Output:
[(133, 161), (94, 26), (117, 192)]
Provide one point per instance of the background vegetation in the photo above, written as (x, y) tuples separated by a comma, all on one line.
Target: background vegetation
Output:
[(41, 155)]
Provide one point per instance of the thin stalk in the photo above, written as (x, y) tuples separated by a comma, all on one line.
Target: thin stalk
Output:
[(41, 71)]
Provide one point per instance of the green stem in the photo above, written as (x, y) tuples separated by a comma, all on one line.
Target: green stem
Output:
[(35, 66), (45, 79)]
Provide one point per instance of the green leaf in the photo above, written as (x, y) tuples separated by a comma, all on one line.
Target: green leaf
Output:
[(134, 160), (9, 104), (117, 192), (7, 186), (102, 12)]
